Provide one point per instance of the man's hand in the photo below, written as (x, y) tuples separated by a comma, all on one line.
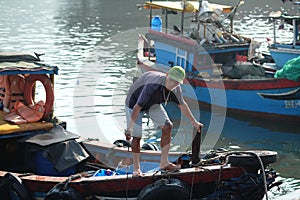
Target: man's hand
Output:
[(128, 134), (198, 126)]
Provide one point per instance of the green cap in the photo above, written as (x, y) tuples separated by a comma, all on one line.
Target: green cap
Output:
[(177, 73)]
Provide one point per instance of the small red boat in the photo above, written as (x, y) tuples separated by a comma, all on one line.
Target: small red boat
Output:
[(42, 160)]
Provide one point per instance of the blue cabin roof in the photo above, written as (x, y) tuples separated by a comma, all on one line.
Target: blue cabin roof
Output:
[(24, 63)]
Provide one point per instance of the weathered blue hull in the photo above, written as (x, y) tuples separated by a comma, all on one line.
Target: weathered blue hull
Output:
[(263, 97), (283, 53), (258, 101)]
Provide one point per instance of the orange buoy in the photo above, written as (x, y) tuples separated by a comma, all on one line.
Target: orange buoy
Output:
[(48, 86)]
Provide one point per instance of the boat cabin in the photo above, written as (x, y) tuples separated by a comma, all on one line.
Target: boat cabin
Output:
[(203, 42), (21, 114)]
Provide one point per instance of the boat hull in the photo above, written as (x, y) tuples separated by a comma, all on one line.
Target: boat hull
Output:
[(117, 186), (203, 179), (246, 96), (113, 156), (283, 53)]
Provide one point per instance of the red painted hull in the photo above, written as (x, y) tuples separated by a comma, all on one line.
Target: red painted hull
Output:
[(118, 186), (203, 177)]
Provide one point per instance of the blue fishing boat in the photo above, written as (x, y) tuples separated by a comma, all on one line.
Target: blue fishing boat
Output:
[(283, 52), (219, 73)]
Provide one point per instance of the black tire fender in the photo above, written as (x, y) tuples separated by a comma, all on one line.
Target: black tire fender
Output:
[(122, 143), (165, 189), (150, 146), (63, 191), (11, 187), (248, 158)]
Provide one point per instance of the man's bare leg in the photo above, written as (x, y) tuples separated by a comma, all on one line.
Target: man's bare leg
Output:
[(165, 148), (135, 146)]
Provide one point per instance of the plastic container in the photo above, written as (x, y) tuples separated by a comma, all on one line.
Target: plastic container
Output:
[(156, 23), (103, 172), (145, 167), (46, 168), (241, 58)]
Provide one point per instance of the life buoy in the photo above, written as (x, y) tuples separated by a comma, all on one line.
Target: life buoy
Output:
[(165, 189), (28, 92), (12, 188)]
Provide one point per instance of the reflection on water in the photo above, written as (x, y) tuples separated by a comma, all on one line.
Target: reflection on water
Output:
[(273, 136), (93, 43)]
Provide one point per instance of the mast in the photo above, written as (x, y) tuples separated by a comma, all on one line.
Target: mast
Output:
[(150, 15), (182, 17), (200, 5), (295, 29), (274, 31)]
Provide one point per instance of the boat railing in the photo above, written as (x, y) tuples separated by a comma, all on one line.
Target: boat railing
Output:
[(211, 16)]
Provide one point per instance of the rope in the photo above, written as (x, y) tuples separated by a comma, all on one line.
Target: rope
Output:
[(207, 161), (71, 178), (193, 178), (25, 174), (127, 182), (219, 180)]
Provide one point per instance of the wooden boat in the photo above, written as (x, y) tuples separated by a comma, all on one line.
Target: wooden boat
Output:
[(42, 160), (219, 74)]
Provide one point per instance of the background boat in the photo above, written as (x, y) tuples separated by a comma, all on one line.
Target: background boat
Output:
[(218, 74), (282, 52)]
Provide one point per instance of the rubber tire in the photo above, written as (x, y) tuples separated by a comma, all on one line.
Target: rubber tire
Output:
[(150, 146), (165, 189), (122, 143), (62, 192), (267, 157), (11, 188)]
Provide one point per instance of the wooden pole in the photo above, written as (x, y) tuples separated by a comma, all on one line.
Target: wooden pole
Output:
[(196, 147)]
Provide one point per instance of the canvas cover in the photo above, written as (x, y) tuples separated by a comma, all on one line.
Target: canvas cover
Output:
[(58, 146), (24, 63), (290, 70), (178, 5), (56, 135)]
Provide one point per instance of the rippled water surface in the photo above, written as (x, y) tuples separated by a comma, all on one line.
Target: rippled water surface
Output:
[(94, 44)]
